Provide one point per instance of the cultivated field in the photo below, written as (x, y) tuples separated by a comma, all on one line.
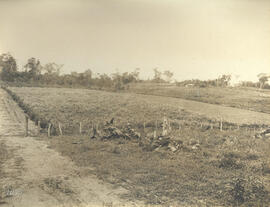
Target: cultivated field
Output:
[(245, 98), (210, 167), (70, 107)]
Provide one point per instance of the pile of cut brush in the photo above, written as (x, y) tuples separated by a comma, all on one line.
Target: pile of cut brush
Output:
[(149, 143), (161, 143), (263, 134), (112, 132)]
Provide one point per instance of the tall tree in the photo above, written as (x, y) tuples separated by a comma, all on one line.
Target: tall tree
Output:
[(263, 80), (157, 75), (33, 67), (8, 67), (52, 69), (51, 73), (168, 75)]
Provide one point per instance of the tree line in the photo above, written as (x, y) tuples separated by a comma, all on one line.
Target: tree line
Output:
[(222, 81), (33, 73)]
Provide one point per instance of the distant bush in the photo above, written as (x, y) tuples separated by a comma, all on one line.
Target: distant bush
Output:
[(250, 84), (222, 81)]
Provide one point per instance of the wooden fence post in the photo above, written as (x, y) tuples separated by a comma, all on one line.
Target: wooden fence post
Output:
[(80, 129), (49, 129), (60, 129), (221, 125), (26, 126), (144, 126), (38, 126), (155, 131)]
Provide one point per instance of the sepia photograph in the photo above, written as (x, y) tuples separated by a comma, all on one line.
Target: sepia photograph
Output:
[(134, 103)]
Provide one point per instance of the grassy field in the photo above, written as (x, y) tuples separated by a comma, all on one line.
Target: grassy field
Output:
[(70, 107), (228, 168), (212, 167), (247, 98)]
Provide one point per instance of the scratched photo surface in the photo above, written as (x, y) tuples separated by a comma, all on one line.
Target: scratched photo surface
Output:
[(134, 103)]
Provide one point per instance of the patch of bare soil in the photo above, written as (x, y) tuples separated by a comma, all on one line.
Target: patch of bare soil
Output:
[(33, 174)]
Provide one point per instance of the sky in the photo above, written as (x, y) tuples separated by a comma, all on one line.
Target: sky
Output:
[(192, 38)]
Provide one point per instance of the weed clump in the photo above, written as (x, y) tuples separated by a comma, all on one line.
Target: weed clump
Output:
[(248, 191), (229, 161)]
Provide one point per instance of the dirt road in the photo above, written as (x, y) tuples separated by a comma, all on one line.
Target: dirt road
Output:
[(31, 174)]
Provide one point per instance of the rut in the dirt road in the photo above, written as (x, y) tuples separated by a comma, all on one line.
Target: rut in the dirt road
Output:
[(35, 175)]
